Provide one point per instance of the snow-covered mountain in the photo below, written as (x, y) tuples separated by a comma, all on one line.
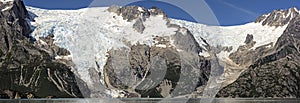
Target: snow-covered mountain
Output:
[(99, 30), (137, 52)]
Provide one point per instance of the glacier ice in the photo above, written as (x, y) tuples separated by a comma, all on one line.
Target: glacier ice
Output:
[(90, 32)]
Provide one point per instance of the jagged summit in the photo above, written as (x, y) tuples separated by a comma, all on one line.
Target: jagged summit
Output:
[(278, 17)]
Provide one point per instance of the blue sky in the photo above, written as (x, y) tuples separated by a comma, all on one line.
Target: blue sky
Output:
[(227, 12)]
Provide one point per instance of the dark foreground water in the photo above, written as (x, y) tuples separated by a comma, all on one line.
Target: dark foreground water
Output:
[(150, 101)]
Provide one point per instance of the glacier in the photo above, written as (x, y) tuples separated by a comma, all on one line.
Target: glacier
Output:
[(90, 32)]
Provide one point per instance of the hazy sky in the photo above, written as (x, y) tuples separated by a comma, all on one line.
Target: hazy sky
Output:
[(227, 12)]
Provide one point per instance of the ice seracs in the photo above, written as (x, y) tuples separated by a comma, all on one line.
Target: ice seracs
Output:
[(89, 33)]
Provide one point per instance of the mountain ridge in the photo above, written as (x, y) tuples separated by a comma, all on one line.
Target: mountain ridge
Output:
[(263, 80), (278, 17), (26, 70)]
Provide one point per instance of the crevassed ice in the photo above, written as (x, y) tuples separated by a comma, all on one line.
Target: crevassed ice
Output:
[(89, 33)]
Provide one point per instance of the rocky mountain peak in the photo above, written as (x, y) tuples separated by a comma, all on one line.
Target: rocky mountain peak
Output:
[(138, 15), (278, 17), (130, 13)]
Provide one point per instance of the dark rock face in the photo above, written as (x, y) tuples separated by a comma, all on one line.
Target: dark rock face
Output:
[(130, 13), (278, 17), (249, 39), (139, 26), (186, 41), (26, 70), (275, 74), (155, 72), (16, 17)]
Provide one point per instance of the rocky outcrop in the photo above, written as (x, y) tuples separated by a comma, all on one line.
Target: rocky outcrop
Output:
[(25, 69), (155, 72), (278, 17), (184, 40), (245, 55), (139, 26), (275, 74), (249, 39), (130, 13), (56, 53), (137, 14)]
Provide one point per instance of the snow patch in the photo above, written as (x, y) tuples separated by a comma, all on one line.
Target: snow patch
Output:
[(161, 46), (68, 57), (141, 9), (183, 31), (204, 54), (269, 46)]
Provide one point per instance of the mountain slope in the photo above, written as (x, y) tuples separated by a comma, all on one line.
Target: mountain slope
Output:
[(123, 46), (278, 17), (25, 69), (237, 47), (275, 74)]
